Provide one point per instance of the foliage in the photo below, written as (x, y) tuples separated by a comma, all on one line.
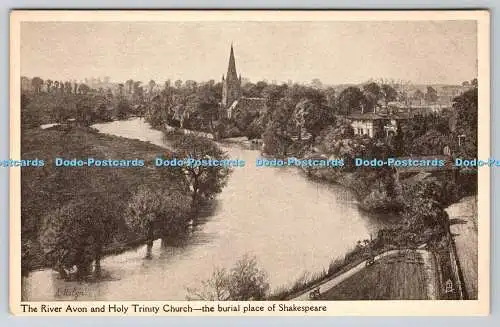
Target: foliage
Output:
[(423, 135), (158, 212), (244, 282), (431, 95), (431, 143), (373, 94), (205, 181), (424, 206), (350, 100), (76, 233), (50, 191), (465, 107), (277, 136), (313, 116)]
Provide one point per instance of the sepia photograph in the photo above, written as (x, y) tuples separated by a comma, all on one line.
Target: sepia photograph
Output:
[(308, 159)]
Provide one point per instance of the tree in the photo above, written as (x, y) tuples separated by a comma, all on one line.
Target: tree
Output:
[(316, 83), (206, 103), (129, 86), (83, 89), (244, 282), (49, 85), (273, 94), (120, 89), (151, 86), (313, 116), (388, 93), (431, 95), (157, 213), (37, 84), (25, 101), (215, 288), (431, 143), (84, 114), (67, 87), (138, 91), (277, 136), (330, 97), (122, 109), (465, 108), (423, 208), (351, 99), (205, 181), (76, 233), (373, 94), (418, 95)]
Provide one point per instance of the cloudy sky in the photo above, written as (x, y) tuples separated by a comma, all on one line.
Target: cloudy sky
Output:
[(335, 52)]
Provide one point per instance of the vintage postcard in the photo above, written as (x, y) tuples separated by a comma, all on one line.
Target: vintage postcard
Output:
[(250, 163)]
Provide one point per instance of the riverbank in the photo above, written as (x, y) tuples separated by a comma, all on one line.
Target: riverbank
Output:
[(371, 198), (393, 275), (47, 190)]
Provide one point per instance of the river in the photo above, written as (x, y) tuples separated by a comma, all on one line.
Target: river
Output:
[(291, 224)]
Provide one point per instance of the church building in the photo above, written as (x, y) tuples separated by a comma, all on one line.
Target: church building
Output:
[(233, 100)]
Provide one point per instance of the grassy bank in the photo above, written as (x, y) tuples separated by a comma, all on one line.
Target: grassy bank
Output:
[(46, 189), (396, 277)]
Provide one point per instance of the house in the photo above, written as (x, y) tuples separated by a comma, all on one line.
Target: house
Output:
[(371, 124)]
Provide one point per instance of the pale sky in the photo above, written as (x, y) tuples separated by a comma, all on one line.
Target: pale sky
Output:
[(425, 52)]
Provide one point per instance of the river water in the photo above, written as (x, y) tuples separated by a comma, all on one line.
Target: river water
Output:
[(292, 226)]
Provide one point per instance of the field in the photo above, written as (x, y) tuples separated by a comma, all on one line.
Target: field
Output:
[(397, 277)]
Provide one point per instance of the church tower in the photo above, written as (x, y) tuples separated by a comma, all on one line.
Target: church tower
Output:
[(231, 84)]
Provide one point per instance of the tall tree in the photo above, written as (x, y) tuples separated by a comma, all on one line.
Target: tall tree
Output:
[(418, 95), (37, 84), (373, 94), (129, 86), (205, 181), (151, 86), (76, 233), (431, 95), (157, 213), (49, 85), (83, 89), (330, 97), (351, 99), (388, 93), (465, 107)]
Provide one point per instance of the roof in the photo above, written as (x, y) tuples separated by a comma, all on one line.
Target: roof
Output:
[(366, 116), (401, 115), (250, 104)]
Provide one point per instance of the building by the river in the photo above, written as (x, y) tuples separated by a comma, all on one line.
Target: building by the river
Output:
[(233, 100)]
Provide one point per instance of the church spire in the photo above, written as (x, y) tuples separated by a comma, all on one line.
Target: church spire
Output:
[(231, 69), (232, 83)]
